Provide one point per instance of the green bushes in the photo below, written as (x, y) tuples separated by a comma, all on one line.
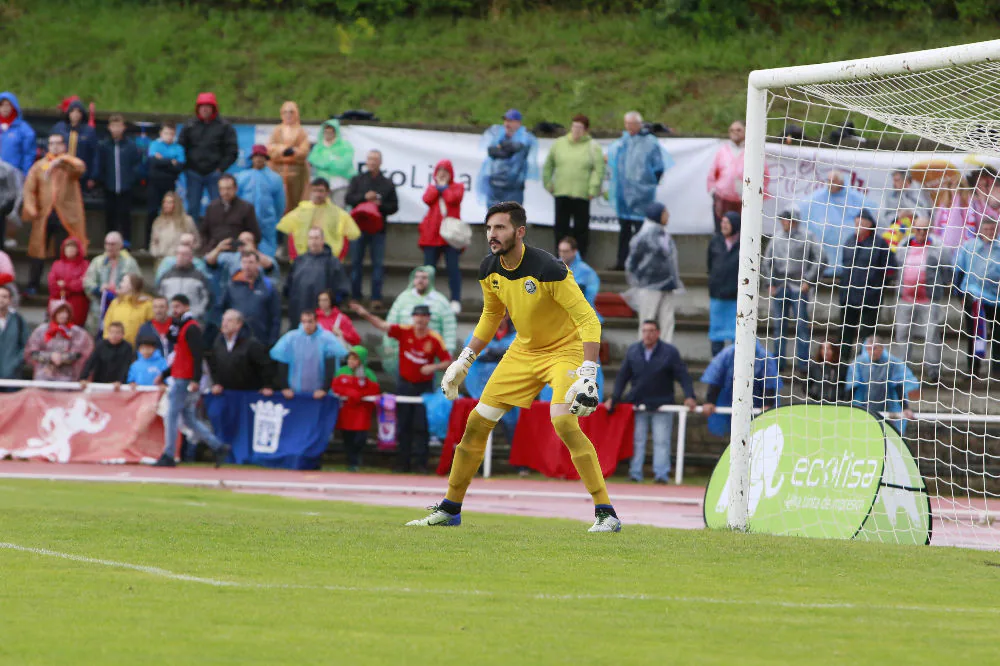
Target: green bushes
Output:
[(712, 16)]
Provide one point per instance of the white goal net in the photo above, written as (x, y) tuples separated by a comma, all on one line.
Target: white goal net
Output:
[(870, 277)]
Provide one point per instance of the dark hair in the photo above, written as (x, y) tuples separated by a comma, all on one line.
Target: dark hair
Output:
[(582, 119), (180, 298), (137, 282), (169, 125), (228, 176), (570, 240), (249, 253), (518, 216), (9, 289), (316, 182), (652, 322), (117, 324), (116, 118), (329, 294), (158, 297), (307, 313)]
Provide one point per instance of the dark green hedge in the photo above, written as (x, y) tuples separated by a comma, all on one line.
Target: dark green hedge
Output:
[(716, 16)]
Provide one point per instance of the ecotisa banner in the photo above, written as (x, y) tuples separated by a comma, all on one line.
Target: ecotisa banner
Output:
[(827, 471)]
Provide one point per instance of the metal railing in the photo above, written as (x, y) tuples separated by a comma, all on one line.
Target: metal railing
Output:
[(681, 411)]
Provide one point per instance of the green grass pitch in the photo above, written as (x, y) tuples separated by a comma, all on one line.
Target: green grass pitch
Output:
[(127, 574)]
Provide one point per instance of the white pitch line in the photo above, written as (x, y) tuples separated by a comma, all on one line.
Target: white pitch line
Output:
[(215, 582), (331, 487)]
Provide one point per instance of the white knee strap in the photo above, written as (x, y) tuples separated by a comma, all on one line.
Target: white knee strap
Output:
[(490, 413)]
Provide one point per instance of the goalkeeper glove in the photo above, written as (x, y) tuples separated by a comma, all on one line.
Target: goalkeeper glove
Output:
[(456, 372), (582, 395)]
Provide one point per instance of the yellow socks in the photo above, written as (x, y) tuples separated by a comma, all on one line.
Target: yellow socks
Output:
[(469, 455), (584, 456)]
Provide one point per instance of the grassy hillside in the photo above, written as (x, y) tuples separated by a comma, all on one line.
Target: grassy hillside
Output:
[(142, 57)]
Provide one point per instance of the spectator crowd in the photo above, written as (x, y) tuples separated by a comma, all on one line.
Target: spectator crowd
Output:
[(214, 317)]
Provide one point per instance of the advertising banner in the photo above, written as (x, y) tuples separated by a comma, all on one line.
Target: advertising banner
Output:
[(827, 471), (273, 431), (79, 426)]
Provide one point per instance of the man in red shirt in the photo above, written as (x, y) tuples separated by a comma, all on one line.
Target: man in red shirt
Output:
[(419, 346), (182, 396)]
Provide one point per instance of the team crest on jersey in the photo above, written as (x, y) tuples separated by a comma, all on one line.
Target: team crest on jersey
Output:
[(530, 286), (428, 347)]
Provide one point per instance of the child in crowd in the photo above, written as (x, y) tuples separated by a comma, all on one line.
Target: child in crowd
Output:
[(149, 365), (109, 364), (354, 382), (166, 163)]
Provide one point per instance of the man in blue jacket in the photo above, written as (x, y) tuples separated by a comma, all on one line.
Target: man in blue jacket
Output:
[(256, 298), (584, 275), (81, 139), (652, 366), (118, 166)]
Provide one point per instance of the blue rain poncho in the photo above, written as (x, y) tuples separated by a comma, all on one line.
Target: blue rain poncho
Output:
[(636, 164), (510, 161)]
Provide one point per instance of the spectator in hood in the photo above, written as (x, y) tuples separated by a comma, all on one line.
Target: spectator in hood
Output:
[(444, 199), (420, 291), (17, 139), (791, 265), (66, 280), (265, 191), (652, 269), (53, 203), (210, 147), (256, 298), (170, 225), (81, 139), (227, 216), (111, 359), (723, 282), (104, 274), (373, 187), (158, 328), (184, 278), (310, 357), (353, 383), (288, 149), (119, 172), (149, 364), (511, 159), (239, 361), (131, 308), (10, 196), (636, 163), (318, 212), (330, 318), (313, 273), (332, 159), (166, 160), (977, 279), (58, 349), (573, 174), (14, 334)]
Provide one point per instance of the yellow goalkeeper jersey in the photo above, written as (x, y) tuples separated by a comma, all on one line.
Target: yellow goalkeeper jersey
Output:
[(545, 303)]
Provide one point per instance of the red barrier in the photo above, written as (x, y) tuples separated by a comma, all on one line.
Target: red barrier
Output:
[(77, 426)]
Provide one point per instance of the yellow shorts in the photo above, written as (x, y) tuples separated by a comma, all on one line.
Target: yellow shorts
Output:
[(520, 377)]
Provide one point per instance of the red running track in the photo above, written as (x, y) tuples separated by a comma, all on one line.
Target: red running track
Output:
[(660, 506)]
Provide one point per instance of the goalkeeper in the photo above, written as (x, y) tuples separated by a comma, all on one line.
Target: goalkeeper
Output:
[(558, 337)]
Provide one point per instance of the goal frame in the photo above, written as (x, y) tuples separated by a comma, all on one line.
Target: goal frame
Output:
[(760, 81)]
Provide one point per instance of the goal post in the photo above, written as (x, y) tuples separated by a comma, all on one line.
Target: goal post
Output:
[(930, 113)]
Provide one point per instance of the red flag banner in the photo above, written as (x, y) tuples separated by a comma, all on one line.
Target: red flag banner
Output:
[(76, 426), (537, 446)]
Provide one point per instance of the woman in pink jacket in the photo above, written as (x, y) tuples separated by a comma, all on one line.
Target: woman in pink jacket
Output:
[(444, 199)]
